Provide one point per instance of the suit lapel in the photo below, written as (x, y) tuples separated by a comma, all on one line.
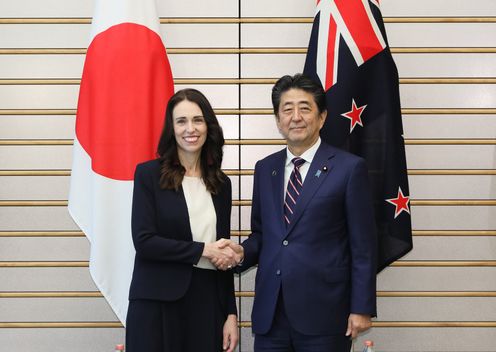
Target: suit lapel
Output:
[(318, 171), (277, 178), (182, 207), (216, 199)]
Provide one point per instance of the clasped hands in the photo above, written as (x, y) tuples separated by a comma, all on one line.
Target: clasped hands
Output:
[(224, 253)]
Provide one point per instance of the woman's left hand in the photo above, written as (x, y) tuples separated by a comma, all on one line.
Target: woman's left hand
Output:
[(230, 333)]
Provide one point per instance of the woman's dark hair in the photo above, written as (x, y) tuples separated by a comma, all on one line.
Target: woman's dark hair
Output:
[(171, 170), (298, 81)]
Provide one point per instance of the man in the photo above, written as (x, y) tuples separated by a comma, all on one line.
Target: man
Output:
[(313, 234)]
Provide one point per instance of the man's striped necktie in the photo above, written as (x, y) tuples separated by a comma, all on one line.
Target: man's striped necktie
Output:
[(295, 185)]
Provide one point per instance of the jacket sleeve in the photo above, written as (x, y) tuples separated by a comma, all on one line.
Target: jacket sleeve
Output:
[(253, 244), (147, 242), (363, 241), (229, 277), (231, 299)]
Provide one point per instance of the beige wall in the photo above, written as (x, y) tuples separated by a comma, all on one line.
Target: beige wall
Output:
[(458, 268)]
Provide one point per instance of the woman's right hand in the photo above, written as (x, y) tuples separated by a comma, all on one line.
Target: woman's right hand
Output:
[(230, 333), (221, 254)]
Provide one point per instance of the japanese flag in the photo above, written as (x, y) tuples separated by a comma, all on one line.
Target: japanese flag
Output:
[(125, 87)]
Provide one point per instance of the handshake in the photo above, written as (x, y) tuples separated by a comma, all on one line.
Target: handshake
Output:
[(224, 253)]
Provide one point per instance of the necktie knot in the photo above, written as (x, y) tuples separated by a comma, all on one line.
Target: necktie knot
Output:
[(297, 161)]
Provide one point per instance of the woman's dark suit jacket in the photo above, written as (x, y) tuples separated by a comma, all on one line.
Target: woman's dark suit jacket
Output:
[(165, 250)]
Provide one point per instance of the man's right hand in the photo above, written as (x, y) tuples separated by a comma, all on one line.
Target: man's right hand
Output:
[(224, 253), (237, 248)]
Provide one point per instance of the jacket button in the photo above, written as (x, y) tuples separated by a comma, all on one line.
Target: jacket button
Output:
[(285, 242), (278, 272)]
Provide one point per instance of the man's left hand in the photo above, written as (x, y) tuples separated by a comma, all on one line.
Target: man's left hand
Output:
[(358, 323)]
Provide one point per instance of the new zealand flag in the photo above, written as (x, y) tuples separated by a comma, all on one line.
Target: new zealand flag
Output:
[(349, 55)]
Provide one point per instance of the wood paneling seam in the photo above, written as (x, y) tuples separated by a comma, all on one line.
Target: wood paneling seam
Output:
[(247, 202), (247, 324), (251, 20), (408, 141), (178, 51), (250, 172), (244, 233), (269, 112), (251, 294), (400, 263), (250, 81)]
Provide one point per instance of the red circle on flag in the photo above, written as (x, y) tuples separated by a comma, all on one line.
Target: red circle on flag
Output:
[(126, 84)]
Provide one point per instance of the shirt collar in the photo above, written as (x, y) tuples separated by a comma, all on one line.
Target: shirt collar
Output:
[(308, 155)]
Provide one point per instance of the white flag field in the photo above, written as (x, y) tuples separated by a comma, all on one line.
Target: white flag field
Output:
[(124, 90)]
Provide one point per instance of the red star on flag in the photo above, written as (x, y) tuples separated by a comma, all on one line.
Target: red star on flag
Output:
[(355, 115), (400, 202)]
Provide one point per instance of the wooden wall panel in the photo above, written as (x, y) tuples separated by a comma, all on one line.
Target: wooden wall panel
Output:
[(448, 97)]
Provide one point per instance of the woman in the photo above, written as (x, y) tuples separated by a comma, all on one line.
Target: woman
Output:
[(178, 301)]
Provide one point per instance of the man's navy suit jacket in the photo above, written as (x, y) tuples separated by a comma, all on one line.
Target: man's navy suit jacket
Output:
[(325, 260), (165, 250)]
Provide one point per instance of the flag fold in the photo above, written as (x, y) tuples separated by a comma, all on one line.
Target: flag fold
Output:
[(124, 89), (349, 55)]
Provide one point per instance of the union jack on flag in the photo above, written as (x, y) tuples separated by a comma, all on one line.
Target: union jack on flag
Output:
[(353, 21), (349, 55)]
